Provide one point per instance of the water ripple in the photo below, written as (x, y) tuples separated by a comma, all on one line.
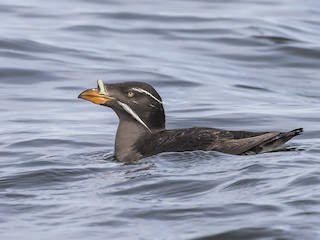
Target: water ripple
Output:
[(238, 65), (39, 143)]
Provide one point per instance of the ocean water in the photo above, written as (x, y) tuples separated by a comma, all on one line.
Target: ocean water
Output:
[(238, 65)]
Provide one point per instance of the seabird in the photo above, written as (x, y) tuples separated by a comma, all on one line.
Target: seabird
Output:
[(142, 131)]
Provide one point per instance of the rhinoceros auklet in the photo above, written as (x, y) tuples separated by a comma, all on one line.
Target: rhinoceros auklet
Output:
[(142, 132)]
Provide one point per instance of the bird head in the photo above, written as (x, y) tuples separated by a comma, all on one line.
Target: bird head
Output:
[(136, 101)]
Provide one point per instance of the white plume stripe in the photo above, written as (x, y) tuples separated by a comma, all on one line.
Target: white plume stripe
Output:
[(133, 114), (146, 92)]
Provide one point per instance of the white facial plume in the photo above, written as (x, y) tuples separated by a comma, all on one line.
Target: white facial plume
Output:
[(140, 90), (133, 114)]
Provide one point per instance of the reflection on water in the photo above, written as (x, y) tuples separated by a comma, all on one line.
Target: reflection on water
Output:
[(235, 65)]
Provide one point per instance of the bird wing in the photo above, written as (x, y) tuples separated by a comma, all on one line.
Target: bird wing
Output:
[(208, 139), (243, 145)]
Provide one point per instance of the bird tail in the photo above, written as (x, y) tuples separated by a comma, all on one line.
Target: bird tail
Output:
[(276, 143), (296, 131), (286, 136)]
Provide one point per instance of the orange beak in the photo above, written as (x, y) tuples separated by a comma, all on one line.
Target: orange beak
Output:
[(96, 95)]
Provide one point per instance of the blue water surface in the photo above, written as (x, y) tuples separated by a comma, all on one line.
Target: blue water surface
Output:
[(239, 65)]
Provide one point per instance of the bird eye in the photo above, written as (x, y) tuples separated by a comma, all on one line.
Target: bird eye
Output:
[(130, 94)]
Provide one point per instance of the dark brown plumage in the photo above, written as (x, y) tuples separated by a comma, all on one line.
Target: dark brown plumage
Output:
[(141, 132), (211, 139)]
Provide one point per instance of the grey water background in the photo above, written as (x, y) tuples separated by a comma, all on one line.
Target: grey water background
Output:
[(238, 65)]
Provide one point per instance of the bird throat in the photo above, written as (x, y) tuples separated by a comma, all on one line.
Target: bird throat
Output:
[(128, 133)]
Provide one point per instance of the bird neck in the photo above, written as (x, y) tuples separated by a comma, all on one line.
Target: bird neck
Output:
[(127, 135)]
